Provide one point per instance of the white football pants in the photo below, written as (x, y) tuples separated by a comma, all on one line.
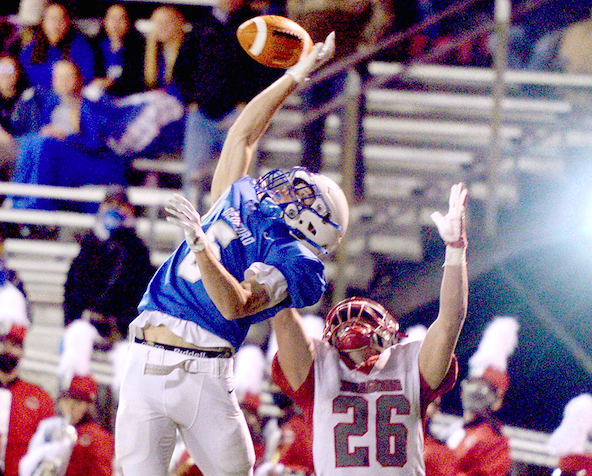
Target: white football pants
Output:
[(198, 399)]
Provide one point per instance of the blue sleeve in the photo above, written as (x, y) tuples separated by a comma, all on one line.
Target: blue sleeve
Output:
[(32, 111), (303, 271), (93, 124), (83, 55)]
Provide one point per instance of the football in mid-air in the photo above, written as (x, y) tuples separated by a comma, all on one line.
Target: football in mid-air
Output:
[(274, 40)]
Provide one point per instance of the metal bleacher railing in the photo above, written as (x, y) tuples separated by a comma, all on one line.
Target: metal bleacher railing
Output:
[(417, 140)]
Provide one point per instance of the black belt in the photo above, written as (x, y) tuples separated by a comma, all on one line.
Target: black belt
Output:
[(207, 353)]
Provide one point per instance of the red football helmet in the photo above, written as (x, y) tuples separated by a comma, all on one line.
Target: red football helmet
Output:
[(360, 327)]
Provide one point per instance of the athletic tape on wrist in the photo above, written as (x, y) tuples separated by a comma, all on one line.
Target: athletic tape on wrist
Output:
[(198, 246), (455, 256)]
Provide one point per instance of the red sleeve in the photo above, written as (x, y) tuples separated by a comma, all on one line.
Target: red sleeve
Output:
[(428, 394), (303, 397), (576, 463)]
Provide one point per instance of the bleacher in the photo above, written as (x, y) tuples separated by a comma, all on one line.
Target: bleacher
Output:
[(418, 140)]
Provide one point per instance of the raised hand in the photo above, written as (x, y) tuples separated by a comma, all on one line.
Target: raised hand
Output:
[(319, 55), (452, 225), (184, 215)]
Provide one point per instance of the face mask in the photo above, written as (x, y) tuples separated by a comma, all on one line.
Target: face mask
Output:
[(112, 219), (107, 222), (477, 396), (8, 362)]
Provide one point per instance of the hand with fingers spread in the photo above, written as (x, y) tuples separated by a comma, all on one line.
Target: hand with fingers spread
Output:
[(452, 225), (184, 215), (319, 55)]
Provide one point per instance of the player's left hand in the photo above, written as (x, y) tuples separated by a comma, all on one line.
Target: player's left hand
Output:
[(184, 215), (452, 225)]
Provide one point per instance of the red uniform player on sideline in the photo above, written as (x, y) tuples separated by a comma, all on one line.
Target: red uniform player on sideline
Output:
[(364, 393), (22, 404)]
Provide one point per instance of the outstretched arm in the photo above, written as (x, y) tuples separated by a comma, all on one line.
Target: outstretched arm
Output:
[(440, 341), (254, 119), (232, 298), (295, 353)]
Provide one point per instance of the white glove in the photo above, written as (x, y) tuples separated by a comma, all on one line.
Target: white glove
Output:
[(319, 55), (182, 214), (46, 429), (452, 225), (51, 444), (54, 454)]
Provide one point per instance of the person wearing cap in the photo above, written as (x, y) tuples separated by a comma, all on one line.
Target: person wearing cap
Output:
[(483, 450), (119, 263), (72, 444), (23, 405), (95, 447)]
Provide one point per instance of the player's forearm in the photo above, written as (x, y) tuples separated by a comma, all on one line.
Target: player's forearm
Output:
[(294, 348), (241, 141), (454, 297), (232, 298), (257, 114), (440, 341)]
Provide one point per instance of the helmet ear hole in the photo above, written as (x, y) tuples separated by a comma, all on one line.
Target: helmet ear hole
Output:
[(323, 212), (291, 211)]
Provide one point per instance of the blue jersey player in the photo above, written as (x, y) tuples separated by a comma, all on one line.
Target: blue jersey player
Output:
[(254, 253)]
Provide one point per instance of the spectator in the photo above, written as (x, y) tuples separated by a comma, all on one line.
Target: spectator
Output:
[(95, 448), (55, 40), (479, 447), (73, 442), (23, 404), (439, 460), (120, 48), (119, 263), (474, 51), (163, 46), (215, 77), (570, 438), (9, 38), (575, 56), (11, 87), (70, 148), (352, 23)]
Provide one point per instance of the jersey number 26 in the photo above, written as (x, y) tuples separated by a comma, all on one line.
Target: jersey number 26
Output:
[(391, 438)]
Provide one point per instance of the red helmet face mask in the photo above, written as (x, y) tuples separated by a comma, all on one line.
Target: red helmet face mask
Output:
[(360, 328)]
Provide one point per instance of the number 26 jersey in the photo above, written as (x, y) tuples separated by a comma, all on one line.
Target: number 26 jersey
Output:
[(367, 424)]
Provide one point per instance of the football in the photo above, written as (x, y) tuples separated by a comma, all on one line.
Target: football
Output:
[(273, 40)]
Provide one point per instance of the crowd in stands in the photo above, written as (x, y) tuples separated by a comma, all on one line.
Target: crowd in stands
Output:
[(76, 109), (179, 86)]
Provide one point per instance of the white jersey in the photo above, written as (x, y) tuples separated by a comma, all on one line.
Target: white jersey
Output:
[(368, 424)]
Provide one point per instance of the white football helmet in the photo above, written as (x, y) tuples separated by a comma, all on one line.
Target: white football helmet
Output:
[(313, 206)]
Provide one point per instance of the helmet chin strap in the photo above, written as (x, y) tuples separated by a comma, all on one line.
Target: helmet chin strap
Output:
[(300, 236), (364, 366)]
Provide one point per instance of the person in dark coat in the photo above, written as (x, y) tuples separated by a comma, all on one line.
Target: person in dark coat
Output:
[(108, 277), (120, 51)]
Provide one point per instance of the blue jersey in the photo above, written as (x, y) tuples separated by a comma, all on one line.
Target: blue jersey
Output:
[(241, 231)]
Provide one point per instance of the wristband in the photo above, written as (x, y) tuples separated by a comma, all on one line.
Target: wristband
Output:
[(198, 245), (455, 256)]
